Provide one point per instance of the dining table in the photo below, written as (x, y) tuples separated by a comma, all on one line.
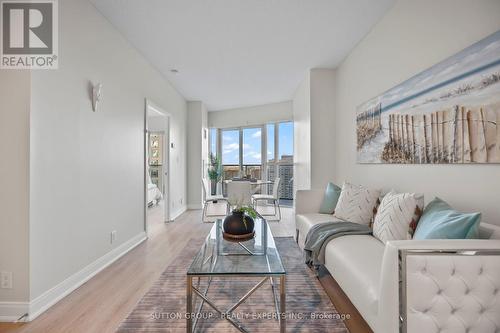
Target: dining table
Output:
[(241, 190)]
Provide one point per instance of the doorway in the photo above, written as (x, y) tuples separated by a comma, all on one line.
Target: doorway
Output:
[(157, 167)]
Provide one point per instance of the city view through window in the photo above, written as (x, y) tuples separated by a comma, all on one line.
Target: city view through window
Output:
[(283, 165), (251, 152)]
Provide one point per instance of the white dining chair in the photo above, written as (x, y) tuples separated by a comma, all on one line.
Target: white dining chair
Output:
[(239, 192), (274, 198), (211, 199)]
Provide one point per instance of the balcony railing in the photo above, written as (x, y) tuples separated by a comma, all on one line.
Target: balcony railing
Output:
[(233, 171)]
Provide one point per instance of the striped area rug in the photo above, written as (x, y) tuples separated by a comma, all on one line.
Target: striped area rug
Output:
[(309, 309)]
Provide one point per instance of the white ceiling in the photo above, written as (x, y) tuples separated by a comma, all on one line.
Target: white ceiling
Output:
[(235, 53)]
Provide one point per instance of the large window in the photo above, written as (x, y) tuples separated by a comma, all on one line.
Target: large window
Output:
[(271, 154), (270, 143), (231, 153), (261, 152), (285, 139), (252, 152), (213, 141), (285, 162)]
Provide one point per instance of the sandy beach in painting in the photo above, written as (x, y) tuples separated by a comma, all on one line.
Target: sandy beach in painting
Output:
[(449, 113)]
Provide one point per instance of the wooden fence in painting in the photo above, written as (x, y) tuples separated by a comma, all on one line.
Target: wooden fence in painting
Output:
[(369, 124), (458, 135)]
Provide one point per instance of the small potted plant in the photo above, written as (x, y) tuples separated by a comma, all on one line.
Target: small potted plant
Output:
[(214, 172), (240, 224)]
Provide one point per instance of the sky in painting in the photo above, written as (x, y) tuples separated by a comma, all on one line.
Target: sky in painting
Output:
[(474, 59)]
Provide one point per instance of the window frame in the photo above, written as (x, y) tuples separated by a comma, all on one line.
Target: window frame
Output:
[(264, 157)]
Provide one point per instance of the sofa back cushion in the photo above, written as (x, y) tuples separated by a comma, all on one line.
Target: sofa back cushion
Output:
[(330, 199), (397, 216), (357, 204), (489, 231), (441, 221)]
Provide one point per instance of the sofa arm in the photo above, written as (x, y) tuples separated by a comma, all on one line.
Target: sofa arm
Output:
[(308, 201), (422, 279)]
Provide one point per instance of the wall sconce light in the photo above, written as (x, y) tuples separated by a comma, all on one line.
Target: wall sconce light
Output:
[(96, 95)]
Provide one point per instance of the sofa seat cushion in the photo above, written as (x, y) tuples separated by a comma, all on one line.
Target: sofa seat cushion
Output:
[(304, 222), (355, 262)]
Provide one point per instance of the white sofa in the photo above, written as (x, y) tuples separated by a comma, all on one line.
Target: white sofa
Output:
[(454, 291)]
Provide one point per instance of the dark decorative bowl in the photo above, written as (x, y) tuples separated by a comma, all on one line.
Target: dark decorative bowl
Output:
[(234, 225)]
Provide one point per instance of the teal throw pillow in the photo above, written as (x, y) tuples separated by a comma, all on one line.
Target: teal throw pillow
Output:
[(332, 194), (441, 221)]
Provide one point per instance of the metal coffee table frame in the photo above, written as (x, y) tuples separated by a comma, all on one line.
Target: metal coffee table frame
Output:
[(193, 290)]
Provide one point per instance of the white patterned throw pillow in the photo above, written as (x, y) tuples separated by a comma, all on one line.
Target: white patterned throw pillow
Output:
[(397, 216), (357, 204)]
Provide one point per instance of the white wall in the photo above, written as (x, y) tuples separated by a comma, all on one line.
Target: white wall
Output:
[(322, 126), (14, 184), (197, 151), (314, 122), (87, 168), (413, 36), (255, 115), (301, 105)]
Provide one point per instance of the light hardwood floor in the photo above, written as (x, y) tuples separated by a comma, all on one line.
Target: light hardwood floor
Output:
[(104, 301)]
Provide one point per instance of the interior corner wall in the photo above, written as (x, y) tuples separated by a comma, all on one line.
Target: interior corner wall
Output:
[(87, 168), (301, 105), (314, 129), (14, 188), (197, 151), (413, 36), (322, 91)]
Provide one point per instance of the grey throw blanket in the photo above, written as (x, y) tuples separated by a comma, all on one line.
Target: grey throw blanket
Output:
[(320, 234)]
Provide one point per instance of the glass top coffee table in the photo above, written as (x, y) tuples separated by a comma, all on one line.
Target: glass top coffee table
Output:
[(232, 259)]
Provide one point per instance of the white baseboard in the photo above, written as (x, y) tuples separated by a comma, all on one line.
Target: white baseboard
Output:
[(12, 311), (54, 295), (178, 213), (194, 206)]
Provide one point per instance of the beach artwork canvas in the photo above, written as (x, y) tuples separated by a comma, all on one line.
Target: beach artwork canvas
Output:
[(450, 113)]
